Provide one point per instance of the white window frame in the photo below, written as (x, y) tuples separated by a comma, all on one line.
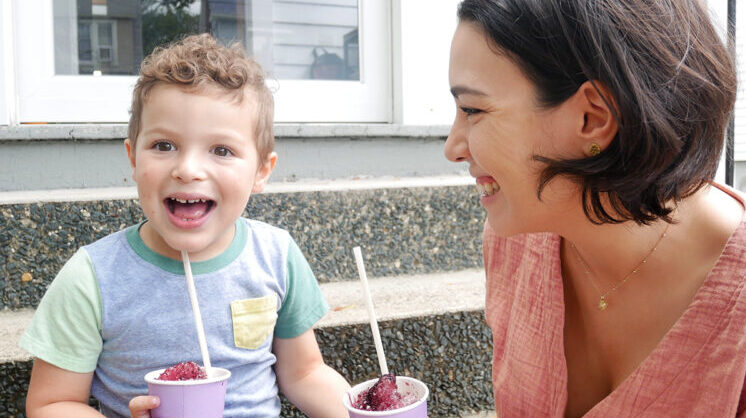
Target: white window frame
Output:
[(43, 96)]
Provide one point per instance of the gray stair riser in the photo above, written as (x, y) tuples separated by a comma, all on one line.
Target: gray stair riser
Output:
[(451, 353), (402, 231), (102, 162)]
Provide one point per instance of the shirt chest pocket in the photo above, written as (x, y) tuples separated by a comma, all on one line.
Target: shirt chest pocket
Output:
[(253, 320)]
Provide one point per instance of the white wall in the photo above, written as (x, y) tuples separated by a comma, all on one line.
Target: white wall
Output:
[(422, 40), (5, 73)]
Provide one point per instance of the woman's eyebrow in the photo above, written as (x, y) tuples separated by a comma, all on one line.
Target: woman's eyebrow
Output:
[(459, 90)]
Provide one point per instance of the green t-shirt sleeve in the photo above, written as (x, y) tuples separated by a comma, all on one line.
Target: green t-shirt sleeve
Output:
[(304, 303), (66, 328)]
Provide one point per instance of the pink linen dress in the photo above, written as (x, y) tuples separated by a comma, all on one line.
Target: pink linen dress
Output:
[(697, 370)]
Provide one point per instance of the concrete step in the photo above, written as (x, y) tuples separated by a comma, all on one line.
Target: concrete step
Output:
[(406, 226), (93, 155), (393, 298), (431, 325)]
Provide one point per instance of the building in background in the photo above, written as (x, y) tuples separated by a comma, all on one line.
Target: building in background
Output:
[(351, 65)]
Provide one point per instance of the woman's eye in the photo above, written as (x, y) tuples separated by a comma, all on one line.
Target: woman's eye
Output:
[(470, 111), (222, 151), (163, 146)]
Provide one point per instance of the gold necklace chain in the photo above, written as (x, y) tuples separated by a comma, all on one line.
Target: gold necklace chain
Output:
[(602, 303)]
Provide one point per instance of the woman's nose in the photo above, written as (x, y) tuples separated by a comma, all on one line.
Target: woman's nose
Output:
[(457, 148)]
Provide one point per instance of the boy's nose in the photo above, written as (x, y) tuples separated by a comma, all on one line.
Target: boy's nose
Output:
[(188, 168), (457, 147)]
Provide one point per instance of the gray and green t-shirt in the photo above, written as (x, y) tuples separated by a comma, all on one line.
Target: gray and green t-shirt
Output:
[(121, 310)]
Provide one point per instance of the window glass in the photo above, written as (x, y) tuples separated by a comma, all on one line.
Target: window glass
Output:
[(292, 40), (84, 43)]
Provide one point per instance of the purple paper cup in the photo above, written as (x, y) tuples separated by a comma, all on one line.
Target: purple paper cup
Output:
[(405, 386), (201, 398)]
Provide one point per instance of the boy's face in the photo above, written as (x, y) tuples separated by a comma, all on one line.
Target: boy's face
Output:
[(196, 164)]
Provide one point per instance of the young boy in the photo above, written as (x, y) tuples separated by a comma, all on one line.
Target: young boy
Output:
[(200, 142)]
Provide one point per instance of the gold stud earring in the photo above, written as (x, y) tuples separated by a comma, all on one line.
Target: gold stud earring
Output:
[(594, 149)]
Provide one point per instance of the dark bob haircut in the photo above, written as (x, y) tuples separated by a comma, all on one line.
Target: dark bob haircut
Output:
[(672, 80)]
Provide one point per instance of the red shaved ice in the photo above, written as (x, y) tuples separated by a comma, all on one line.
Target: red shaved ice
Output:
[(187, 370), (382, 396)]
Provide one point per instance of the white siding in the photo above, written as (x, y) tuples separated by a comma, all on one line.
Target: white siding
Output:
[(288, 35), (299, 27)]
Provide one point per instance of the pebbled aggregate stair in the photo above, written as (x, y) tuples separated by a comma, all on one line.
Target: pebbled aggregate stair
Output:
[(421, 243)]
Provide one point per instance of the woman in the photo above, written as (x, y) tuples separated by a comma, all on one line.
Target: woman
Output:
[(615, 265)]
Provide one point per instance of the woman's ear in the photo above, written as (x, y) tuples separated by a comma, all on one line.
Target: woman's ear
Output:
[(599, 124)]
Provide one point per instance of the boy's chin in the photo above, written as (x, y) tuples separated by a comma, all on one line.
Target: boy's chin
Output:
[(199, 244), (196, 250), (191, 249)]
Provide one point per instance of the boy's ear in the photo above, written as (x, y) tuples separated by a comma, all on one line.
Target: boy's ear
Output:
[(130, 152), (262, 174), (596, 112)]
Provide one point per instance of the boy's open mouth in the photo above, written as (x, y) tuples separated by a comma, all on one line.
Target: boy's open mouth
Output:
[(189, 209)]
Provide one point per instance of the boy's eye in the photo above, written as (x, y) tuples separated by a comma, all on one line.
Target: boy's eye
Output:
[(163, 146), (222, 151)]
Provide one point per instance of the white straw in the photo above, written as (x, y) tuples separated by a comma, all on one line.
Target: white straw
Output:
[(195, 311), (371, 312)]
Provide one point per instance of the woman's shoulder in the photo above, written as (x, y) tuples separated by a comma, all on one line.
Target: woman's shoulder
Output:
[(526, 249), (722, 224)]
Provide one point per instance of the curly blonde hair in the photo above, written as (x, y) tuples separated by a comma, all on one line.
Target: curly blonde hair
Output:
[(199, 62)]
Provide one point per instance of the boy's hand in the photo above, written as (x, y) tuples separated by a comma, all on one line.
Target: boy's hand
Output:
[(312, 386), (141, 405)]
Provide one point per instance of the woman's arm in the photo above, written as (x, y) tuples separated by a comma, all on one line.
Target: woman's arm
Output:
[(56, 392), (304, 378)]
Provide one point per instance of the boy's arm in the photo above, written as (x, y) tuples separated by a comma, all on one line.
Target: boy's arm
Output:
[(56, 392), (304, 378)]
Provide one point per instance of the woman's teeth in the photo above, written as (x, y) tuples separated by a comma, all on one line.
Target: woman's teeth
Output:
[(488, 189)]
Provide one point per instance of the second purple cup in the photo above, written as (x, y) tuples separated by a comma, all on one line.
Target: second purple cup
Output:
[(405, 386)]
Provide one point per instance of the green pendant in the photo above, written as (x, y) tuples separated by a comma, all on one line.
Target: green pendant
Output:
[(602, 303)]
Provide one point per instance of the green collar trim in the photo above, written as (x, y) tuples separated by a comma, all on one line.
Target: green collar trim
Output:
[(198, 267)]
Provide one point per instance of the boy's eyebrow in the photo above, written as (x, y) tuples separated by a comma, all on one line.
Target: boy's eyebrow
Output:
[(459, 90), (158, 130), (167, 132)]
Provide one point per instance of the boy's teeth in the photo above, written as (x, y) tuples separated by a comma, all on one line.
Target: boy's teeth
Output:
[(189, 201)]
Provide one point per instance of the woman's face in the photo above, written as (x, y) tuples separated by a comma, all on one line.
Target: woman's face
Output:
[(498, 129)]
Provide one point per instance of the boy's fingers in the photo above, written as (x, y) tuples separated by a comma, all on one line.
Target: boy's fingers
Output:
[(140, 405)]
